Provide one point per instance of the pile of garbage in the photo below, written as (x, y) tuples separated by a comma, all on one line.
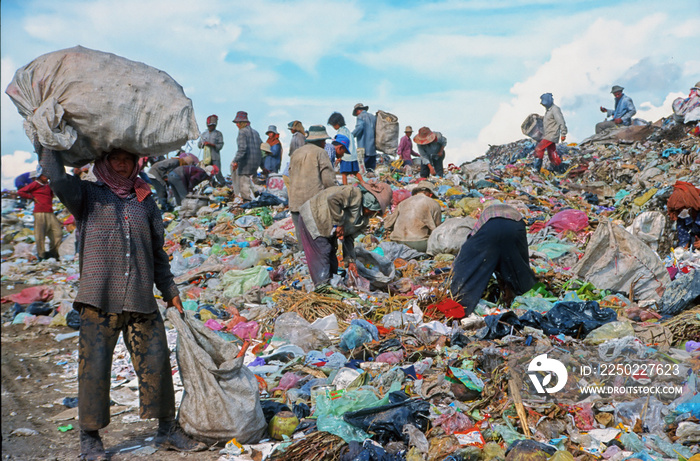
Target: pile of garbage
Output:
[(599, 359)]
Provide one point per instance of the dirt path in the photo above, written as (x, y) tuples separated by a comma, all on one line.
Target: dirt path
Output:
[(34, 384)]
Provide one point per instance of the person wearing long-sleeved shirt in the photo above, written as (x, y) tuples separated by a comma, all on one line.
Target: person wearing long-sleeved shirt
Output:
[(45, 222), (405, 150), (338, 212), (213, 141), (310, 171), (247, 159), (159, 172), (21, 181), (184, 179), (364, 133), (622, 113), (415, 218), (273, 160), (554, 129), (431, 147), (121, 239)]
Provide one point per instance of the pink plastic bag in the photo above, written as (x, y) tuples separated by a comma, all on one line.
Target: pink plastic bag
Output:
[(213, 325), (390, 357), (569, 220), (399, 195), (454, 422), (30, 295), (288, 381), (246, 330)]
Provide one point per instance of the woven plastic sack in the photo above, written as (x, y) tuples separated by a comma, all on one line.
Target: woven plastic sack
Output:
[(618, 261), (533, 126), (221, 400), (386, 133), (88, 102), (649, 228), (449, 236)]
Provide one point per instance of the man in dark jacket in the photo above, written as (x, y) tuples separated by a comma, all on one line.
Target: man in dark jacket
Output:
[(248, 157)]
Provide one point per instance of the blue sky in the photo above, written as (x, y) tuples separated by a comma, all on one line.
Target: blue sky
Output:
[(472, 70)]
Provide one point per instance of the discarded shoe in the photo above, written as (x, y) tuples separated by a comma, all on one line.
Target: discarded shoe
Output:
[(170, 436), (91, 448)]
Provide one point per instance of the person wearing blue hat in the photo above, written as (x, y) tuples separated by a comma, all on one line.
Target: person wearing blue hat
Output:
[(348, 165)]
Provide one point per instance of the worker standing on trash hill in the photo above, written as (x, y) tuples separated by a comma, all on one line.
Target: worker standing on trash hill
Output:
[(45, 222), (212, 141), (622, 114), (121, 258), (248, 157), (554, 128), (364, 132)]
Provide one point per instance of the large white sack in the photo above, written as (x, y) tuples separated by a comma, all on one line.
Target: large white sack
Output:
[(617, 260), (221, 399), (88, 102), (386, 133), (649, 228), (449, 236)]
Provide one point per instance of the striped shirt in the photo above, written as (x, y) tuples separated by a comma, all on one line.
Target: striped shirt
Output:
[(498, 210), (120, 240)]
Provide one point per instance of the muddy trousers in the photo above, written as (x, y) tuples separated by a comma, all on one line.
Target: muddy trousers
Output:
[(144, 336), (551, 149), (47, 224)]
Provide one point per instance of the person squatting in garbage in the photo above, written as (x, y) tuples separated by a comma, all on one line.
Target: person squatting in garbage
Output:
[(212, 141), (121, 258), (415, 218), (554, 129), (247, 159), (622, 114), (497, 244), (431, 147), (45, 222), (310, 172), (183, 179), (339, 212), (348, 166), (684, 207), (159, 172)]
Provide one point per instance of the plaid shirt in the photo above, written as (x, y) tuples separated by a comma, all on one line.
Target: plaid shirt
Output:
[(120, 240), (499, 210)]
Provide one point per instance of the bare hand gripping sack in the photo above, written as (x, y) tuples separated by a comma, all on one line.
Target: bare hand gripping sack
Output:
[(88, 102)]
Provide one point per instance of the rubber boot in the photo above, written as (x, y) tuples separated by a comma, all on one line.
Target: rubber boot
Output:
[(91, 448), (170, 436)]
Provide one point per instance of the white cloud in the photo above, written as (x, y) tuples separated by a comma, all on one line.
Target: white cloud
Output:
[(14, 165)]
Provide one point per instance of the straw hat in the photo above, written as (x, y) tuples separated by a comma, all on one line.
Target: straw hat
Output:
[(408, 129), (265, 147), (425, 136), (359, 106)]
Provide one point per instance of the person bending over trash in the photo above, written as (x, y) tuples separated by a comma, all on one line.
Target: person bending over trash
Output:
[(159, 172), (497, 244), (121, 257), (184, 179), (339, 212), (684, 207), (415, 218), (622, 114), (45, 222), (431, 147), (554, 128)]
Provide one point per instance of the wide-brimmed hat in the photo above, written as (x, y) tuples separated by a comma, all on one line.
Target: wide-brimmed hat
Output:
[(241, 116), (212, 120), (616, 88), (424, 185), (696, 87), (408, 129), (382, 192), (359, 105), (425, 136), (342, 140), (317, 133), (265, 147), (271, 129)]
